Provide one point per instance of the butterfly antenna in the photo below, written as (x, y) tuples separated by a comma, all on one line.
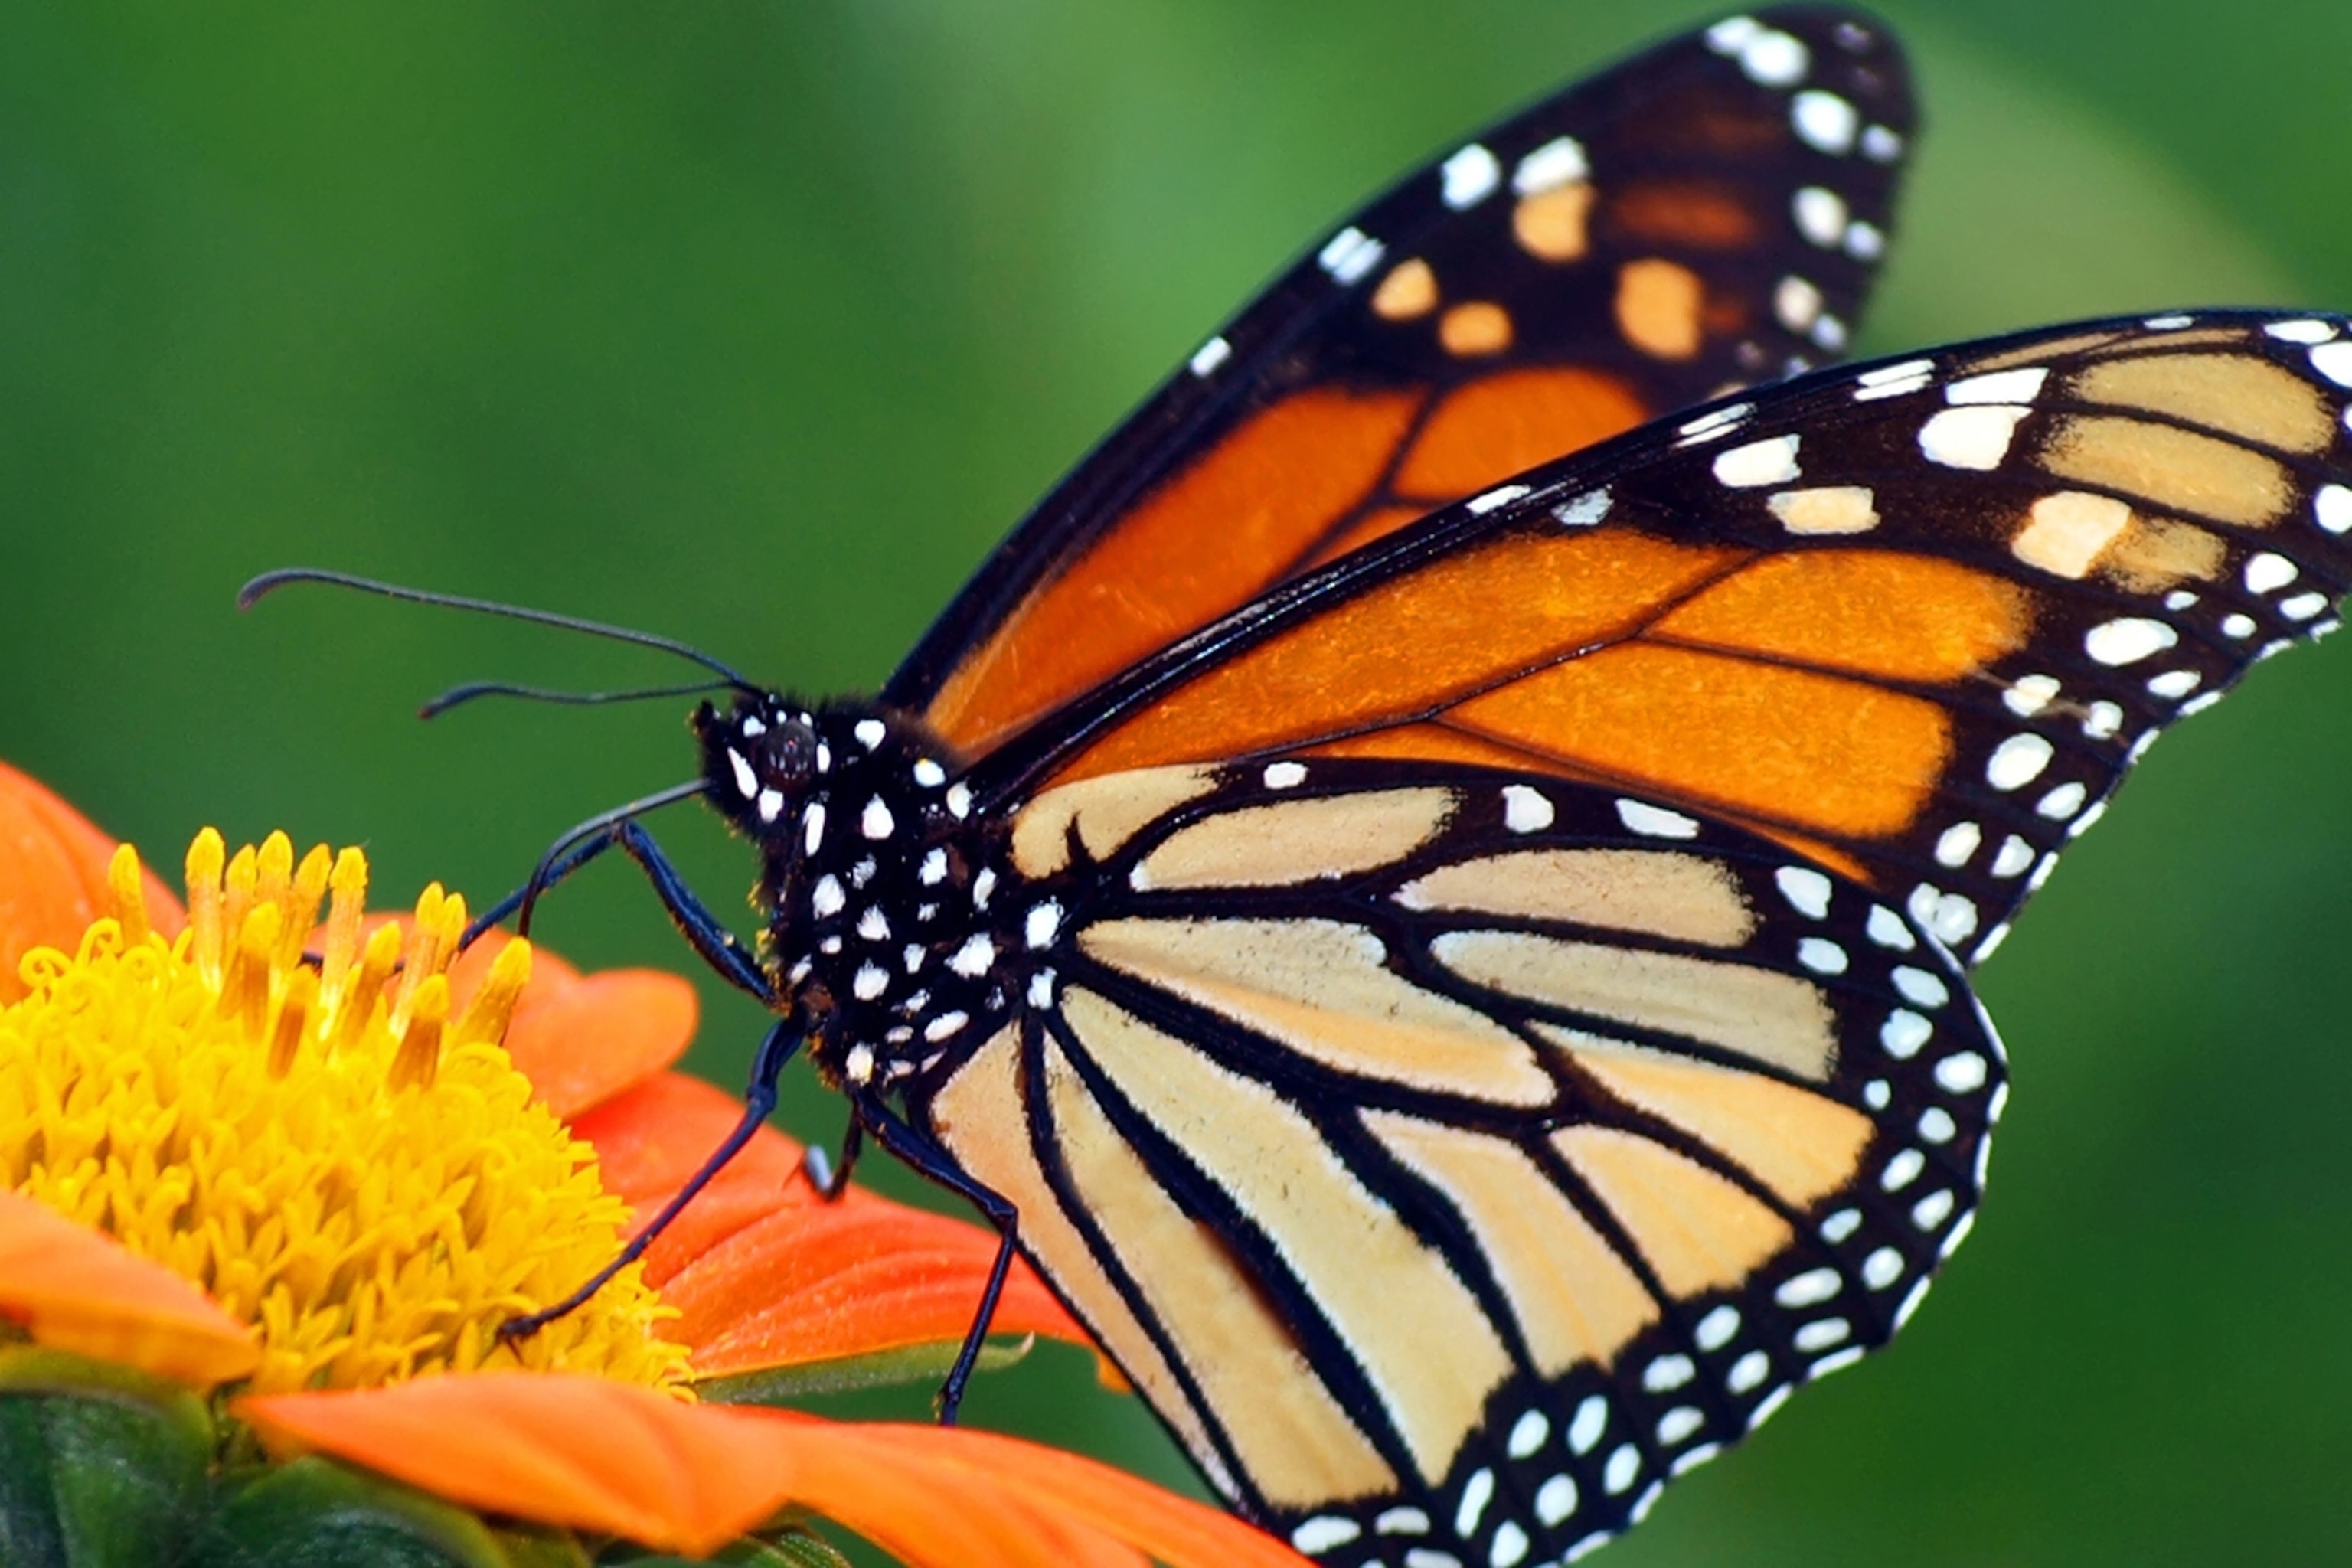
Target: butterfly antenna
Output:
[(269, 583), (458, 695)]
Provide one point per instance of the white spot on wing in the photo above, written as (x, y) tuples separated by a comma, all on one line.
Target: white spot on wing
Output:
[(2017, 761), (2127, 640), (2267, 572), (1822, 955), (1807, 890), (2333, 361), (1324, 1533), (1810, 1289), (1470, 176), (1795, 303), (1501, 495), (1557, 162), (1210, 355), (1591, 1420), (1904, 1033), (2030, 694), (2331, 508), (1820, 214), (1773, 58), (1656, 821), (1711, 424), (1970, 438), (1962, 1072), (1349, 254), (1771, 461), (1825, 122), (1525, 810), (1886, 928), (2001, 386), (1584, 511)]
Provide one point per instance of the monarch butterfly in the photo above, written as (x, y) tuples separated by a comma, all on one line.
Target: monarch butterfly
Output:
[(1429, 885)]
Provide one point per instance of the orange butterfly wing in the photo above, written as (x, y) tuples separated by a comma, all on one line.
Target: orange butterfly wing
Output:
[(1913, 621), (1703, 215)]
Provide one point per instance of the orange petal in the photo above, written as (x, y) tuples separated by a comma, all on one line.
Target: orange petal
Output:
[(53, 877), (813, 1281), (940, 1496), (768, 1274), (80, 1291), (650, 1139), (580, 1451), (610, 1457), (584, 1042)]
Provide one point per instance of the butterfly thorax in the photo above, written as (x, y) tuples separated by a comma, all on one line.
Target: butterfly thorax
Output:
[(876, 881)]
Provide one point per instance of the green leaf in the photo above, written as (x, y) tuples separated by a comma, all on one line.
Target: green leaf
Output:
[(884, 1369), (530, 1546), (36, 1369), (129, 1476), (793, 1549), (28, 1509), (313, 1513), (101, 1466)]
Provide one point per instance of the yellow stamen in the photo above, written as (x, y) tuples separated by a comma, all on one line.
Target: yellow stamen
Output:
[(348, 882), (377, 963), (130, 897), (204, 871), (420, 1042), (356, 1168), (293, 1021), (493, 1005), (302, 906)]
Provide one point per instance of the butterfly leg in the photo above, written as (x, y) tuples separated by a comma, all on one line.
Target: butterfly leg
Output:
[(933, 1163), (784, 1038), (829, 1179), (720, 947)]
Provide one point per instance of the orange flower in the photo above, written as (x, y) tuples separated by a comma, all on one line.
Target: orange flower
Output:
[(228, 1195)]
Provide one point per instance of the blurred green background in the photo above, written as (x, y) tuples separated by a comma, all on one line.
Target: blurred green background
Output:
[(756, 323)]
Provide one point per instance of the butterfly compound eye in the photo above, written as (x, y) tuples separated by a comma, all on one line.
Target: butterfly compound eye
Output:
[(757, 753)]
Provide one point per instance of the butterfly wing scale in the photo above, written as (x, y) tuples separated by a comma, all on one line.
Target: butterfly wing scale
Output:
[(1705, 215), (1452, 1156)]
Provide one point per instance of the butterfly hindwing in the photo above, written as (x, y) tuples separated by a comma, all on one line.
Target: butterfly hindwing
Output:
[(1705, 215), (1452, 1156), (1912, 620)]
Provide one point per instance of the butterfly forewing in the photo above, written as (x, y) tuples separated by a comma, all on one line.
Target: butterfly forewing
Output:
[(1452, 1156), (1703, 215), (1913, 621)]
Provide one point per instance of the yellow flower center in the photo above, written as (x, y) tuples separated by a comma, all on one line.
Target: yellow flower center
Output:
[(317, 1141)]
